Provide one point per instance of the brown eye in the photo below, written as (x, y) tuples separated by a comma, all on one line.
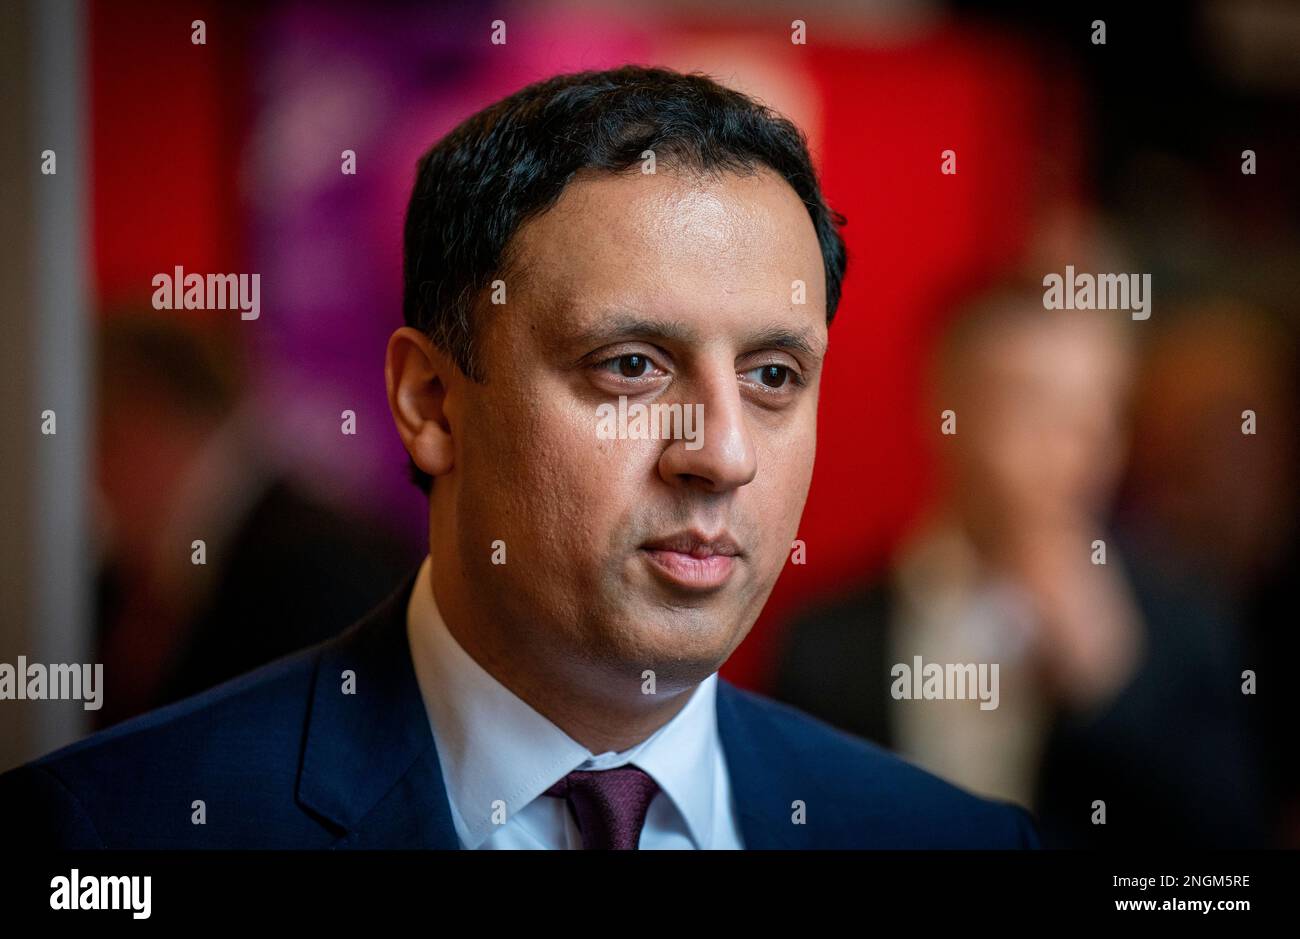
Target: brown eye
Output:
[(774, 376), (632, 366)]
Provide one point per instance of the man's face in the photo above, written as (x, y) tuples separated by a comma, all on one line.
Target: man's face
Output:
[(633, 554), (1043, 410)]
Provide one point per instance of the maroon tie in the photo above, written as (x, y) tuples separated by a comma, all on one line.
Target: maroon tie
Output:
[(609, 805)]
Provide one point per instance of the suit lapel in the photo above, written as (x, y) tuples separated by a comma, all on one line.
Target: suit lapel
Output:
[(371, 768), (761, 787), (369, 762)]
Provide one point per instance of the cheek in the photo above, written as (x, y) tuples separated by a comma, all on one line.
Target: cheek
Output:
[(780, 489), (561, 498)]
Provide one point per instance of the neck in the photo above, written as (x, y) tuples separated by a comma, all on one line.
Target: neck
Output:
[(602, 710)]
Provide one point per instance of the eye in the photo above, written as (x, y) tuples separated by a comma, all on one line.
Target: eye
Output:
[(632, 365), (772, 375)]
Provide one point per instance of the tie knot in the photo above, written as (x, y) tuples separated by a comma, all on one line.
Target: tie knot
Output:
[(609, 805)]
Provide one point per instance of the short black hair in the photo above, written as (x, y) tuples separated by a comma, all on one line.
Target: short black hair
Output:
[(512, 160)]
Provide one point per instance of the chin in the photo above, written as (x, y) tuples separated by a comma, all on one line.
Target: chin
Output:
[(683, 653), (674, 675)]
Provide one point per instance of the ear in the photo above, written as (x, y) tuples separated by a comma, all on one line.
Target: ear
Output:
[(417, 374)]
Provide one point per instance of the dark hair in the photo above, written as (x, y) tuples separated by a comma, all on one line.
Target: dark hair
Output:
[(511, 161)]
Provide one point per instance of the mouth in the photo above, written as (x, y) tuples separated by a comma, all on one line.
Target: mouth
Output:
[(693, 561)]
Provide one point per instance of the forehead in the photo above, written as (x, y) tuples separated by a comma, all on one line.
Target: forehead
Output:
[(1072, 358), (672, 243)]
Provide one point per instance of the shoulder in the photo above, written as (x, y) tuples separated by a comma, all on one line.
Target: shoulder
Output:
[(233, 748), (865, 796)]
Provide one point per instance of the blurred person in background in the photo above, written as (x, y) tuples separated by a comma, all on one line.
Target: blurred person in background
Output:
[(1217, 505), (1113, 687), (177, 462)]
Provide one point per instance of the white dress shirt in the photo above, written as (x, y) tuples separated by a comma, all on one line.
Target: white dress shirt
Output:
[(494, 747), (952, 610)]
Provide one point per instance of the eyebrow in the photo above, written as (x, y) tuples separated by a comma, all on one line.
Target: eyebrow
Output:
[(628, 326), (778, 337)]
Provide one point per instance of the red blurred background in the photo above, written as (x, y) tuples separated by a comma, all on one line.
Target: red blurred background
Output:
[(172, 124)]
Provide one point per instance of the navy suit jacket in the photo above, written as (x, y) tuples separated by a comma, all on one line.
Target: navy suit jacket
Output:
[(281, 758)]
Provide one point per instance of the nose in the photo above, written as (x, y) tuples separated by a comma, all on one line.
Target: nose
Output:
[(722, 455)]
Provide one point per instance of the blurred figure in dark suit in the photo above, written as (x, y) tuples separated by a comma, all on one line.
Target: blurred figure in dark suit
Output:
[(1117, 694), (177, 462), (1220, 504)]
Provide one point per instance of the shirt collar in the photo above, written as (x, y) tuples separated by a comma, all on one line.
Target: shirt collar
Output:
[(467, 707)]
